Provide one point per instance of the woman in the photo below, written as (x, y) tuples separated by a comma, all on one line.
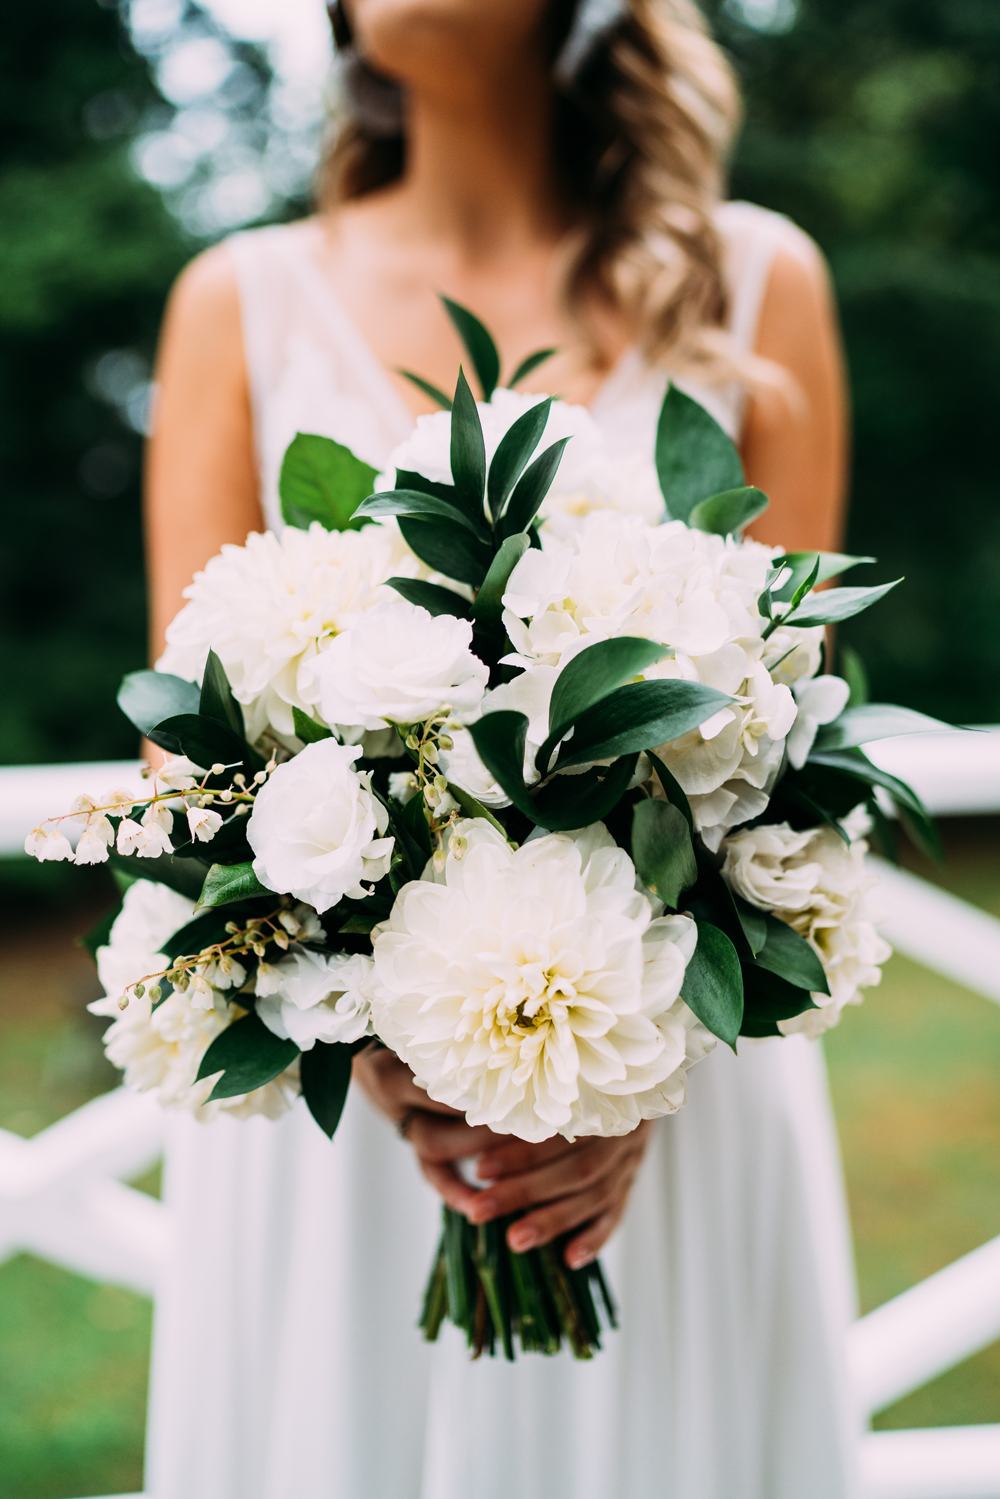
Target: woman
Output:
[(557, 168)]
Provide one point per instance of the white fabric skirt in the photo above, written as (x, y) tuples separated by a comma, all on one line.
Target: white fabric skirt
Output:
[(287, 1363)]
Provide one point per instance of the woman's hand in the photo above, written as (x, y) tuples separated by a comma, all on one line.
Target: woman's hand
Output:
[(563, 1186)]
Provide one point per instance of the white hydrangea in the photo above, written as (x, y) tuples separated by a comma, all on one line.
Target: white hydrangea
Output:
[(694, 592), (538, 989), (823, 888), (402, 665), (309, 997), (317, 830), (588, 479), (160, 1049), (269, 607)]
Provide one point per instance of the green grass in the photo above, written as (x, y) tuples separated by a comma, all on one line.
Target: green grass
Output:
[(914, 1080)]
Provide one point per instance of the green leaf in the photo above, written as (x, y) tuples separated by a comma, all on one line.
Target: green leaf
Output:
[(512, 454), (177, 872), (207, 741), (488, 608), (217, 699), (148, 697), (202, 931), (478, 344), (325, 1073), (437, 396), (248, 1055), (321, 480), (448, 549), (672, 788), (640, 716), (874, 721), (852, 669), (831, 565), (768, 999), (468, 451), (590, 676), (431, 596), (713, 984), (226, 883), (531, 489), (568, 802), (307, 729), (790, 956), (854, 763), (500, 742), (528, 363), (752, 923), (662, 850), (695, 458), (727, 513), (474, 808), (418, 506), (835, 604)]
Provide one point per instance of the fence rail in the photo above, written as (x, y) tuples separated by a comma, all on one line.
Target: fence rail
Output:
[(64, 1193)]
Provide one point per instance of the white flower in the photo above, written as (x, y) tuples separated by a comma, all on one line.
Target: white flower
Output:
[(46, 843), (178, 773), (203, 823), (160, 1049), (95, 841), (821, 887), (316, 828), (309, 997), (589, 478), (267, 608), (536, 989), (400, 664), (819, 701)]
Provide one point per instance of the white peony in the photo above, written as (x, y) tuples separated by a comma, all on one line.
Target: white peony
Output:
[(588, 479), (160, 1049), (309, 997), (316, 828), (269, 607), (400, 664), (822, 887), (538, 989)]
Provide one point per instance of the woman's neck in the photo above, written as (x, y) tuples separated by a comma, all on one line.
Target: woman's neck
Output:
[(480, 169)]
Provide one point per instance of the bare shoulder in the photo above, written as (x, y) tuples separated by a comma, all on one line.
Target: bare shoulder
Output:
[(205, 298), (798, 303)]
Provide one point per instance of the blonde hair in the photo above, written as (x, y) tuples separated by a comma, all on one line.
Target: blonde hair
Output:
[(647, 137)]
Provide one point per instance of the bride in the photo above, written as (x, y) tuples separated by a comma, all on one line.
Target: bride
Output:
[(557, 168)]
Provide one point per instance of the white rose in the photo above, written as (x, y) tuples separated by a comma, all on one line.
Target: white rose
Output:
[(536, 989), (317, 830), (160, 1049), (400, 664), (309, 997), (269, 607), (822, 887)]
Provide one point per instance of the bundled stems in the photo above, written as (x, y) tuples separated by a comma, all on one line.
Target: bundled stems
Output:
[(502, 1300)]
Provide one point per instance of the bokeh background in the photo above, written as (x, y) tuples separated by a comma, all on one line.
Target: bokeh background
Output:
[(137, 131)]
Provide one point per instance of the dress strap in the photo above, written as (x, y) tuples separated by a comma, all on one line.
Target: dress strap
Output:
[(751, 238)]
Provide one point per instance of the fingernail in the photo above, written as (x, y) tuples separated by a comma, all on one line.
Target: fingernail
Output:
[(522, 1237), (577, 1258)]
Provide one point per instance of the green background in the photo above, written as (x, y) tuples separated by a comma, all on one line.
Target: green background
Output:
[(872, 123)]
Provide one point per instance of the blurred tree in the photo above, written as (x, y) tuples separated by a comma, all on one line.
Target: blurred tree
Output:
[(874, 124)]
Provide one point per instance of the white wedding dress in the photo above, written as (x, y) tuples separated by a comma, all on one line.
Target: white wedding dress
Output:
[(287, 1364)]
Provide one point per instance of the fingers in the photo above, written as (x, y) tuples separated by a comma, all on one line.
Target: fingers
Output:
[(440, 1140), (449, 1185), (586, 1246), (511, 1155), (557, 1218), (573, 1170)]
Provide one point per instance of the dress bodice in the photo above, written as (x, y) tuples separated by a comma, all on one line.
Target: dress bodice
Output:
[(311, 369)]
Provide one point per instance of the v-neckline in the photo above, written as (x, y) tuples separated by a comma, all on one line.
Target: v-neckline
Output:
[(379, 374)]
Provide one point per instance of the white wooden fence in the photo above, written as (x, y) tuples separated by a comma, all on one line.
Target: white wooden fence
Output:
[(63, 1194)]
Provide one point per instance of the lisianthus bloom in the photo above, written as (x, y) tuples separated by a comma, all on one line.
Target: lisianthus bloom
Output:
[(538, 989), (822, 887), (309, 997), (269, 607), (159, 1048), (317, 829)]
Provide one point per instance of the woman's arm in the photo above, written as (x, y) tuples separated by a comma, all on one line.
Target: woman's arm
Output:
[(201, 485), (795, 434)]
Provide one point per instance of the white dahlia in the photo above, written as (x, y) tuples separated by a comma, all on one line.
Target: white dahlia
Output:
[(269, 607), (537, 989), (159, 1049), (588, 479), (317, 830), (400, 664), (823, 888), (309, 997)]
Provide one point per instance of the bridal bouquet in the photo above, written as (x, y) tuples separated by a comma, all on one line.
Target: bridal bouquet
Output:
[(514, 759)]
